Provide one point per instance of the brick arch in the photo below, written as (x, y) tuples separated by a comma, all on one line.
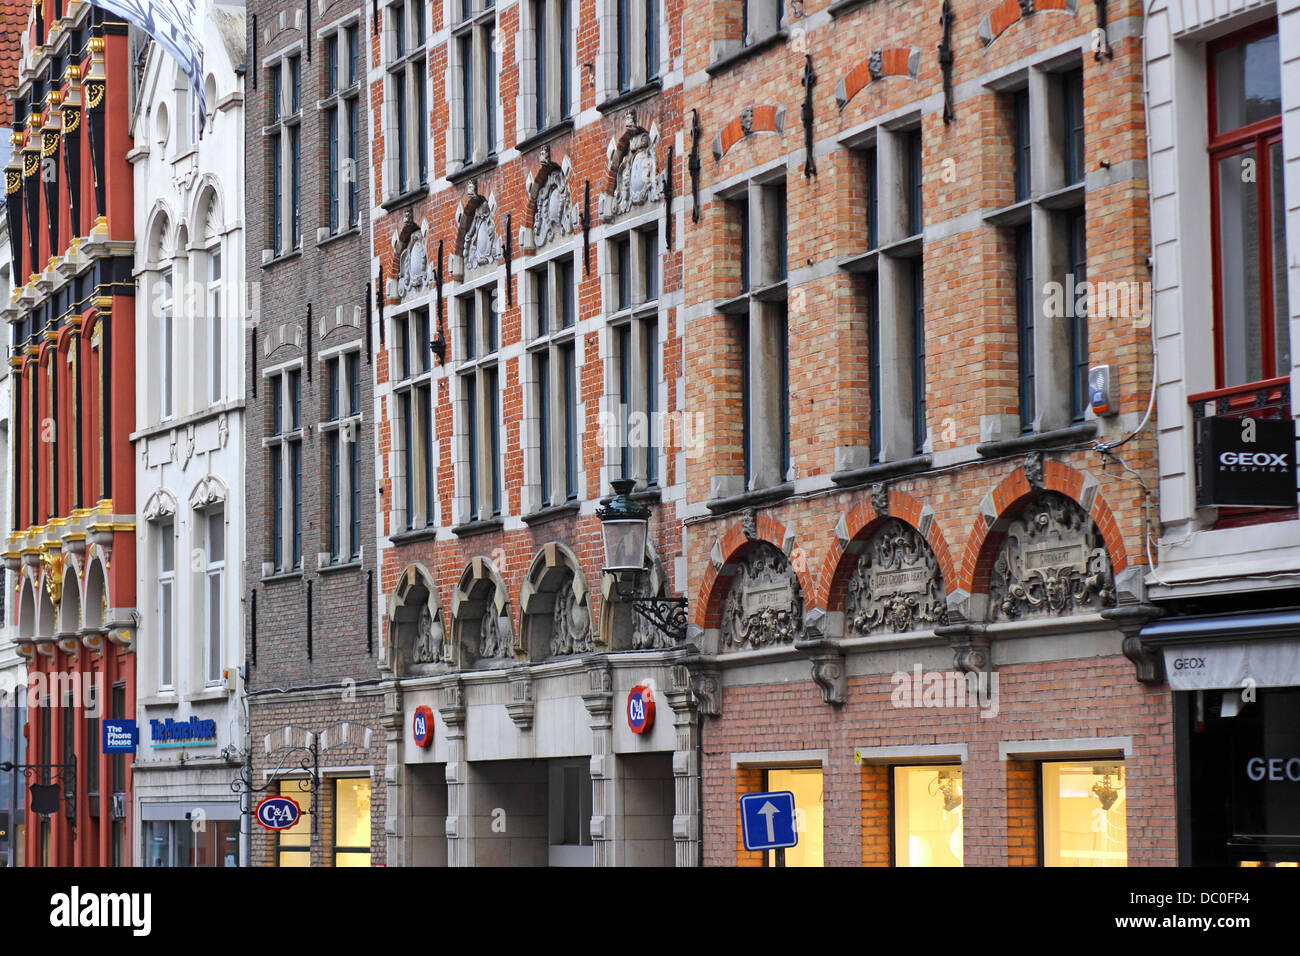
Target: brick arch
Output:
[(727, 549), (1010, 495), (1006, 13), (859, 524), (879, 64), (750, 120)]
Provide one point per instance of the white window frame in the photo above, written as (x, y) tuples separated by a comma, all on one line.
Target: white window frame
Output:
[(556, 51), (167, 342), (473, 378), (421, 481), (637, 317), (285, 122), (166, 608), (343, 192), (214, 570), (216, 318)]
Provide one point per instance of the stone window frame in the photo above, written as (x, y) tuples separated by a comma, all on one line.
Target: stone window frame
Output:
[(416, 385), (634, 318), (639, 71), (341, 424), (745, 27), (474, 372), (892, 271), (343, 156), (214, 644), (165, 592), (548, 441), (560, 50), (283, 130), (283, 441), (1052, 369), (406, 73), (474, 26), (758, 320)]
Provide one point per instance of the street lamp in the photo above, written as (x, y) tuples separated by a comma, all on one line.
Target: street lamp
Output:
[(623, 524)]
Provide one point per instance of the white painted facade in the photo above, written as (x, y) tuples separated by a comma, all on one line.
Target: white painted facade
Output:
[(1194, 558), (189, 447)]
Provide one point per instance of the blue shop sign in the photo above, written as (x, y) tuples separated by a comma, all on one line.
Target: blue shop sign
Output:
[(118, 736), (183, 733)]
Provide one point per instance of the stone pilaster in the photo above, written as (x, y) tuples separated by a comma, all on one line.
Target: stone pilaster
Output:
[(686, 769), (460, 850), (600, 704)]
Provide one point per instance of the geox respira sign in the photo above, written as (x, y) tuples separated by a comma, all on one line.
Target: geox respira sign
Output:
[(1246, 462)]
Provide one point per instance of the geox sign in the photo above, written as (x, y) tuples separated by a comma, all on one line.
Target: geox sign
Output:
[(1246, 462)]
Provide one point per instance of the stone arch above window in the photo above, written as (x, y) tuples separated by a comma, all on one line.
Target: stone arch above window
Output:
[(158, 245), (764, 606), (552, 213), (417, 634), (478, 243), (159, 506), (210, 492), (480, 613), (634, 178), (207, 213), (1051, 561), (556, 613), (896, 584)]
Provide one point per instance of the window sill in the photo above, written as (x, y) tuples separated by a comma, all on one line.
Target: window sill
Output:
[(354, 565), (472, 170), (883, 469), (278, 260), (477, 527), (402, 199), (1068, 197), (620, 100), (750, 498), (866, 262), (350, 232), (545, 136), (1057, 436), (903, 248), (553, 513), (724, 63), (841, 7), (1017, 214), (168, 700), (414, 535), (209, 694), (282, 576)]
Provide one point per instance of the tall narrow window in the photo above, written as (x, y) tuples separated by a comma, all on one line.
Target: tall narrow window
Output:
[(479, 385), (214, 576), (920, 429), (915, 184), (1072, 101), (1022, 145), (166, 341), (552, 46), (1078, 251), (1248, 208), (284, 446), (216, 385), (284, 156), (408, 97), (474, 101), (555, 390), (928, 816), (1025, 326), (166, 603), (414, 422), (352, 821), (634, 315)]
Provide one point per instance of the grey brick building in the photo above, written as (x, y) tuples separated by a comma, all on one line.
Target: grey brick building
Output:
[(311, 628)]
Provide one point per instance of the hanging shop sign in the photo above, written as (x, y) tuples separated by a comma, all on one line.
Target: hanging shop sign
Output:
[(640, 709), (1246, 462), (278, 813), (422, 726), (183, 733), (118, 736)]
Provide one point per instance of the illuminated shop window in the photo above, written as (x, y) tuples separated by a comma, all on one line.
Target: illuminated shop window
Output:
[(927, 816), (1085, 814), (352, 821), (295, 842), (806, 785)]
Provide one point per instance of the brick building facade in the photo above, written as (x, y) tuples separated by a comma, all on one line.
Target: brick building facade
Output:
[(71, 225), (311, 597), (901, 498), (530, 352)]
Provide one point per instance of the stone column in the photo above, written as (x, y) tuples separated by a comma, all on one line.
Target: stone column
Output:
[(460, 849), (600, 704), (396, 796), (686, 769)]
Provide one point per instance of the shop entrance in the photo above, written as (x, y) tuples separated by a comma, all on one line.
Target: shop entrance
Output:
[(427, 827), (1239, 776)]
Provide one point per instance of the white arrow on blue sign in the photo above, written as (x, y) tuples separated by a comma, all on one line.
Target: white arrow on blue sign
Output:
[(767, 820)]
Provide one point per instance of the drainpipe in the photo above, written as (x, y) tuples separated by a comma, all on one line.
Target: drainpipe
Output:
[(699, 785)]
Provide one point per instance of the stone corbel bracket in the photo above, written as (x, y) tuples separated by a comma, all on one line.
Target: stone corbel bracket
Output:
[(971, 648), (521, 706), (1148, 662), (827, 658)]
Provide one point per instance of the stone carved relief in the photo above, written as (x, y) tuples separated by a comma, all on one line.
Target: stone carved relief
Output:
[(645, 636), (765, 603), (554, 209), (637, 179), (495, 640), (571, 626), (896, 584), (431, 646), (412, 259), (1053, 562), (482, 245)]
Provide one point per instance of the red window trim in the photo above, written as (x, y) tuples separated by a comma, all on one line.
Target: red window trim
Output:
[(1260, 137)]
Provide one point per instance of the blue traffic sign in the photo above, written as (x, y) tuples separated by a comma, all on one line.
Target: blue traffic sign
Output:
[(767, 820)]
